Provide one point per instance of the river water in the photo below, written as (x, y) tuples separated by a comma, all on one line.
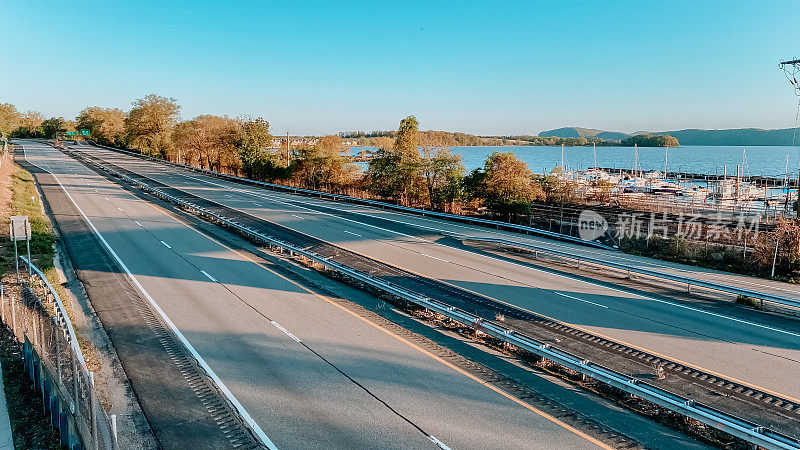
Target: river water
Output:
[(758, 161)]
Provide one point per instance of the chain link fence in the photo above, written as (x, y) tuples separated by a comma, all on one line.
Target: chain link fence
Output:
[(34, 313)]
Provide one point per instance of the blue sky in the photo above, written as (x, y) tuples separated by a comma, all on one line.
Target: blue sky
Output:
[(482, 67)]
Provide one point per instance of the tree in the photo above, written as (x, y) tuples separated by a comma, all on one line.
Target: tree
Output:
[(473, 185), (396, 172), (508, 184), (149, 124), (382, 173), (559, 189), (650, 140), (9, 119), (442, 171), (53, 126), (407, 142), (208, 141), (253, 148), (29, 125), (105, 125), (322, 166)]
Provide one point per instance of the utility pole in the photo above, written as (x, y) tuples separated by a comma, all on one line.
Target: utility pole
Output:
[(288, 153)]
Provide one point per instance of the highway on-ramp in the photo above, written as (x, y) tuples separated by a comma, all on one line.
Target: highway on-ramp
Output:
[(308, 372)]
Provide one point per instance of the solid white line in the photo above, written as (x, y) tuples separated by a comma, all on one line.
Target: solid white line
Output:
[(269, 197), (285, 331), (546, 243), (579, 299), (207, 275), (272, 198), (438, 443), (440, 259), (165, 244), (243, 412), (746, 322)]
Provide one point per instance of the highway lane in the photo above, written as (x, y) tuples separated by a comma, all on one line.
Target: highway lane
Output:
[(309, 373), (753, 351), (438, 225)]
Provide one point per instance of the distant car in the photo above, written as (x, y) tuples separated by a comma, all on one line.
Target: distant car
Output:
[(74, 142)]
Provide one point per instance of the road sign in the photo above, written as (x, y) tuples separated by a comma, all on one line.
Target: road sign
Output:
[(20, 228), (72, 133), (84, 132)]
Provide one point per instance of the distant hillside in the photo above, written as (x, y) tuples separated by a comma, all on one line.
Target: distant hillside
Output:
[(573, 132), (736, 136), (576, 136)]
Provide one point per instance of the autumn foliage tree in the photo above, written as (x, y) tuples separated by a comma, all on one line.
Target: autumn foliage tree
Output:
[(508, 184), (105, 125), (29, 125), (322, 166), (149, 124), (209, 142), (396, 172), (9, 118)]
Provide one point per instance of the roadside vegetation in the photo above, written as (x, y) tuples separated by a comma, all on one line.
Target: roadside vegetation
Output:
[(409, 167), (24, 200), (18, 196)]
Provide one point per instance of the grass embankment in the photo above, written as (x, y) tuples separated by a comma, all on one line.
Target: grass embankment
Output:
[(24, 200), (18, 196)]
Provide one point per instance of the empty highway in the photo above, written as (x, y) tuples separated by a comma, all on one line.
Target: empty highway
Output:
[(756, 350), (310, 373)]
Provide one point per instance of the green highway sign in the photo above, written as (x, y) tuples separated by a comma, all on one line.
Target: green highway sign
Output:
[(72, 133), (84, 132)]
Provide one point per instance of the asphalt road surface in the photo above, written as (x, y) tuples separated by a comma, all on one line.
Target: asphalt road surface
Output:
[(758, 349), (311, 374)]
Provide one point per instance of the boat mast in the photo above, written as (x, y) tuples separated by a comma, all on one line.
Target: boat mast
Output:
[(595, 155), (786, 184)]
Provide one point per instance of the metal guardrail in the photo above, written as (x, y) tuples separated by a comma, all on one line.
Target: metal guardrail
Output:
[(689, 281), (55, 363), (360, 201), (746, 430)]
